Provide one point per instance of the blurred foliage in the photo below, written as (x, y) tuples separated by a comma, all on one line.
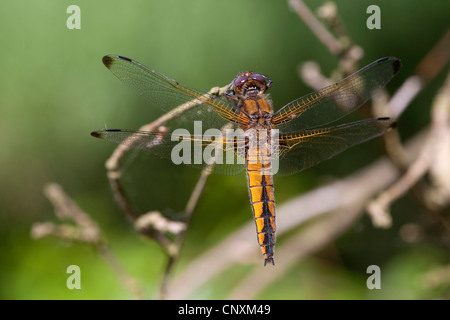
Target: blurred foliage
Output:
[(54, 90)]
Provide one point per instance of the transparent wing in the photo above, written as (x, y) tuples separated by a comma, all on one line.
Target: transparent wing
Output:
[(166, 93), (333, 102), (226, 152), (307, 148)]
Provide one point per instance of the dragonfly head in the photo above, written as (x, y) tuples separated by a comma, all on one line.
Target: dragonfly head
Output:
[(250, 84)]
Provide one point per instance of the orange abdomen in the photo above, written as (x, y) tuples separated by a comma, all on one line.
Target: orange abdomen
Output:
[(262, 199)]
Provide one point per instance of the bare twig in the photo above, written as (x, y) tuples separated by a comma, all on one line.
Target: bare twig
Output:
[(311, 75), (378, 208), (84, 230), (404, 95), (439, 193), (343, 47), (436, 59), (428, 68), (196, 193), (154, 220), (316, 26), (392, 141)]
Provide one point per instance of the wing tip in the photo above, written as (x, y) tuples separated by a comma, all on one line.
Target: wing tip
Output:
[(101, 133), (95, 134), (108, 60), (396, 63)]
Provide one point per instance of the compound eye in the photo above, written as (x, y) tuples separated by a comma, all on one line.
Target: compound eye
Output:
[(240, 81), (259, 78)]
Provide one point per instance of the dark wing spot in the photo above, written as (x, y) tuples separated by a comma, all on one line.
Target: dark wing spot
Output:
[(98, 134), (107, 61), (95, 134), (397, 65)]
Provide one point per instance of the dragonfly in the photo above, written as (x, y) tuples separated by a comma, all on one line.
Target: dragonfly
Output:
[(258, 140)]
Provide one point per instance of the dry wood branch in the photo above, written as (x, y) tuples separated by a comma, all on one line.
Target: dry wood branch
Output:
[(316, 26), (430, 153), (438, 195), (404, 95), (343, 47), (382, 106), (83, 230), (154, 220), (349, 54), (436, 59), (311, 75), (196, 193), (378, 208), (428, 68)]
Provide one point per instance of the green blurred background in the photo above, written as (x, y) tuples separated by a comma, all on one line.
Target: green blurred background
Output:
[(54, 91)]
